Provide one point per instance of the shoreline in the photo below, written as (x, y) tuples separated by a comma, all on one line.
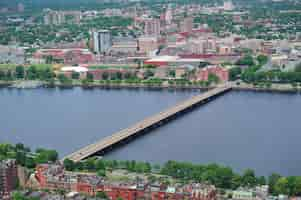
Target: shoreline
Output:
[(267, 90), (245, 87)]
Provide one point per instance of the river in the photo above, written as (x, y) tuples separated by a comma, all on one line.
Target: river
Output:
[(242, 130)]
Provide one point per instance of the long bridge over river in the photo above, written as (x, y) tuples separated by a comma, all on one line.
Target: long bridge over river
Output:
[(147, 124)]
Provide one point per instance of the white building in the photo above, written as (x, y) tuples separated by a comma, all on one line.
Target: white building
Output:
[(168, 15)]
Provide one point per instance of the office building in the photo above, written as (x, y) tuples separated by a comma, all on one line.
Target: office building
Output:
[(102, 41), (152, 27)]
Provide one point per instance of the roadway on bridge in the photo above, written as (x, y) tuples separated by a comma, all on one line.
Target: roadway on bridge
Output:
[(121, 135)]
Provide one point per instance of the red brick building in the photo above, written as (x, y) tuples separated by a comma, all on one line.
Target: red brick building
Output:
[(67, 56), (220, 72), (54, 177), (8, 178)]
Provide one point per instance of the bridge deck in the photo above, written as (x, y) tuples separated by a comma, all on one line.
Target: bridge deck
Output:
[(142, 125)]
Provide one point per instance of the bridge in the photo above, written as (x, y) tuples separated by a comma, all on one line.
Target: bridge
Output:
[(147, 124)]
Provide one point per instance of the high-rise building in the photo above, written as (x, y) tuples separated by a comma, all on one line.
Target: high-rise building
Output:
[(228, 5), (20, 7), (152, 27), (168, 15), (102, 41), (54, 17), (8, 177), (187, 24)]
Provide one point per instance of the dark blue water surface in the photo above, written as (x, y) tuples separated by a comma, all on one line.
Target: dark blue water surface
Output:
[(243, 130)]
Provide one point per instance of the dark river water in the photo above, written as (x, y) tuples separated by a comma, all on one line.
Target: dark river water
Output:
[(242, 130)]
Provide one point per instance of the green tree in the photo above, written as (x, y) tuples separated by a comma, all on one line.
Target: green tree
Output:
[(89, 164), (75, 75), (90, 77), (9, 75), (2, 75), (32, 73), (105, 75), (101, 195), (225, 175), (49, 59), (246, 60), (46, 74), (212, 78), (101, 173), (234, 73), (261, 180), (64, 80), (20, 72), (99, 165), (44, 156), (272, 180), (69, 164), (249, 178), (281, 186), (172, 73), (262, 59), (29, 162), (298, 67), (118, 75)]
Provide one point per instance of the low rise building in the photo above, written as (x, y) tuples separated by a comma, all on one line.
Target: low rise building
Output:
[(180, 72), (124, 45), (147, 44), (68, 70), (12, 54), (173, 61), (243, 195), (53, 177), (203, 73), (67, 56)]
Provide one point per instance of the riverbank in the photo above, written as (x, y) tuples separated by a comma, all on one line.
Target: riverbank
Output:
[(281, 88)]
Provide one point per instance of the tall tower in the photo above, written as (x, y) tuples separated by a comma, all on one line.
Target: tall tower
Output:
[(228, 5), (152, 27), (20, 7), (168, 15), (102, 41), (187, 24)]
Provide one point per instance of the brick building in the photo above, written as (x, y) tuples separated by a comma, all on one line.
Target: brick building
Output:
[(220, 72), (147, 44), (54, 177), (67, 56), (8, 178)]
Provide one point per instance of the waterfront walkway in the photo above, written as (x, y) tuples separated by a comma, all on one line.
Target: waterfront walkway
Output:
[(148, 123)]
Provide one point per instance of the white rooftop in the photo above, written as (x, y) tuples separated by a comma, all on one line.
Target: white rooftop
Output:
[(173, 59), (74, 69)]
